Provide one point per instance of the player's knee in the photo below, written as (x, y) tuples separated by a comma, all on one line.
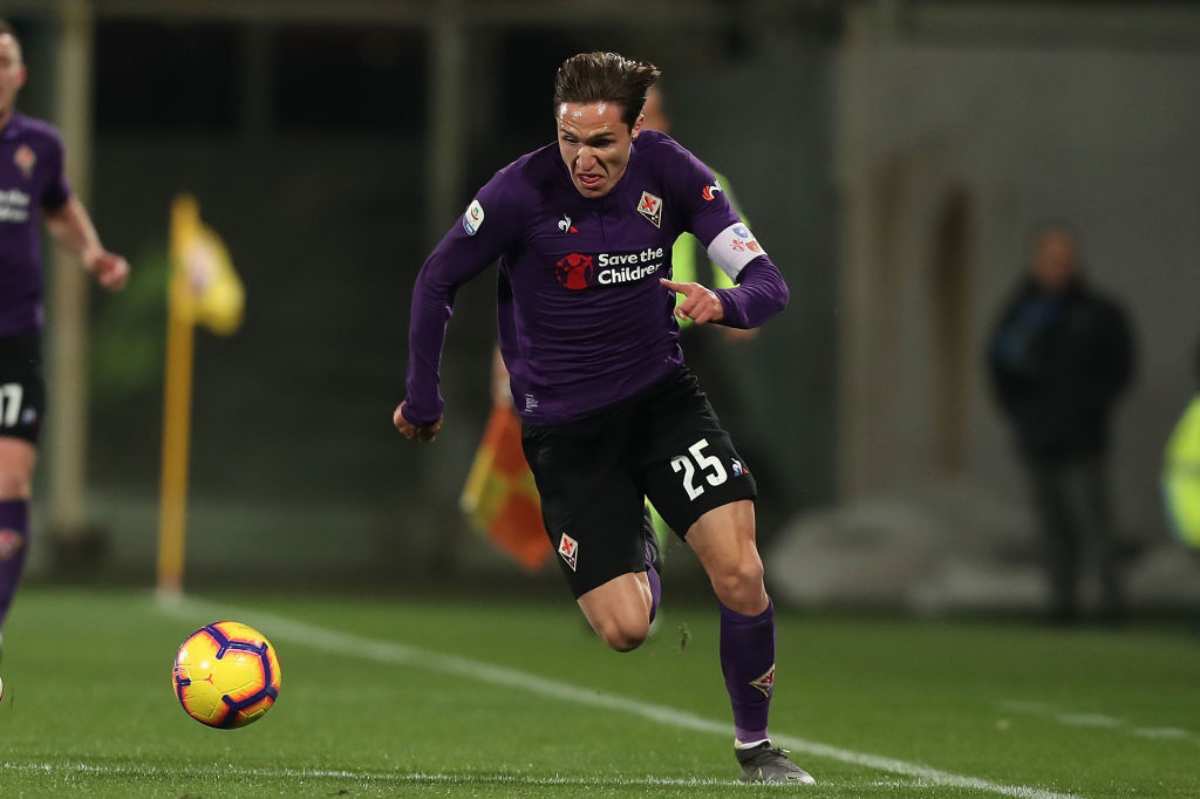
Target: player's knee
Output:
[(623, 634), (625, 640), (739, 585)]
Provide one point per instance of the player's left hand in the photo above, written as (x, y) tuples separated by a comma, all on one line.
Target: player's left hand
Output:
[(111, 270), (702, 305), (425, 432)]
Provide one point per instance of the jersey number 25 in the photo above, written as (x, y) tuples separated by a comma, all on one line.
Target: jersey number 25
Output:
[(698, 462)]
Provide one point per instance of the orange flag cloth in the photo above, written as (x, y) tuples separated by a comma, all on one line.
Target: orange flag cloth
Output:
[(501, 498)]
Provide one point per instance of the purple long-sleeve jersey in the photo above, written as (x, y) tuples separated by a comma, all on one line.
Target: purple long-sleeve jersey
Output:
[(31, 180), (583, 319)]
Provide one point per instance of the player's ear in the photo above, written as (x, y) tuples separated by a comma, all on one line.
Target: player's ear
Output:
[(637, 126)]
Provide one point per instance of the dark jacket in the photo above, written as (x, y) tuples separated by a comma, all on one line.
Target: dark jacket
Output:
[(1058, 364)]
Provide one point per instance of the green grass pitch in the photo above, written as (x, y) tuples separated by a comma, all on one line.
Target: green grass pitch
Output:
[(391, 698)]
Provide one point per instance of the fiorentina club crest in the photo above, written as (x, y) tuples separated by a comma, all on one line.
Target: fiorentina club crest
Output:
[(26, 160), (568, 548), (766, 683), (10, 544), (650, 207)]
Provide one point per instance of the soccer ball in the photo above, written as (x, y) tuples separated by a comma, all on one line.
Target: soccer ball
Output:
[(226, 675)]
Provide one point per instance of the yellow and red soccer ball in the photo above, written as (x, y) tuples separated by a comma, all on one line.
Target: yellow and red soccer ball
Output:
[(226, 675)]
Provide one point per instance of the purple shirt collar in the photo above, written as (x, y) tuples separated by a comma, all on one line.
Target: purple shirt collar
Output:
[(12, 128)]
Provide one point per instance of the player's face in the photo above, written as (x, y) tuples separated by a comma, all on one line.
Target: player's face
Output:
[(595, 145), (12, 72)]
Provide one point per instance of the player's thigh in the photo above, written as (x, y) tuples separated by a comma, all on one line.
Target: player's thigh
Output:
[(619, 610), (689, 465), (591, 502), (22, 406), (724, 542), (724, 539), (17, 459)]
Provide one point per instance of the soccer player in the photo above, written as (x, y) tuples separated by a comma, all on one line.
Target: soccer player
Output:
[(32, 187), (686, 255), (583, 231)]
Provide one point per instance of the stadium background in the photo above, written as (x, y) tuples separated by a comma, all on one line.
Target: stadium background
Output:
[(892, 156)]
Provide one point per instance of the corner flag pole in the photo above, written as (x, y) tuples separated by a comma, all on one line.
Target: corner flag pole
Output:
[(203, 288), (177, 409), (177, 412)]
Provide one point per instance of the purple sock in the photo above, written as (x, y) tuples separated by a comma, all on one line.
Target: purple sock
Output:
[(748, 663), (652, 575), (14, 537), (655, 590)]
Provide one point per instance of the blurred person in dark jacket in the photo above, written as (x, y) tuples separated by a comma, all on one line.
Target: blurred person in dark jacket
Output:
[(1060, 357)]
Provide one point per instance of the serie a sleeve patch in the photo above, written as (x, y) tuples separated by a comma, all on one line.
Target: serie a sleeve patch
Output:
[(473, 218)]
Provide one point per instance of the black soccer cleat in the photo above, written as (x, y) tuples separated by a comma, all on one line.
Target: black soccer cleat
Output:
[(767, 763)]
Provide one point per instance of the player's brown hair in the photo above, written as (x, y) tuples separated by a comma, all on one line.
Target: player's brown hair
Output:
[(605, 77)]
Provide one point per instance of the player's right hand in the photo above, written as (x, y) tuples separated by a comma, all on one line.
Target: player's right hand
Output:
[(111, 270), (700, 304), (425, 432)]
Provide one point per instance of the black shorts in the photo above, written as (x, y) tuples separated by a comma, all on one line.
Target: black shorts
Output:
[(593, 473), (22, 388)]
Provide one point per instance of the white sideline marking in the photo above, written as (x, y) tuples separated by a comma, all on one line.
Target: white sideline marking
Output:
[(356, 776), (1093, 720), (348, 645), (1161, 732), (219, 772), (1088, 720)]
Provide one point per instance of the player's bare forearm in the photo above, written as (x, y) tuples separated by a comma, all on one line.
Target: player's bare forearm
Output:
[(501, 389), (71, 226)]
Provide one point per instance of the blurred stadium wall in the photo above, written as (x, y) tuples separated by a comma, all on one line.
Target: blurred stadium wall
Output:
[(958, 132), (959, 128)]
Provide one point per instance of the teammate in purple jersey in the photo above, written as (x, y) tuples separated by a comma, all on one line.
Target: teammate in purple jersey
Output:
[(583, 232), (32, 187)]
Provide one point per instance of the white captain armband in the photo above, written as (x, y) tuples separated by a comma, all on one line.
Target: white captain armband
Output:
[(733, 248)]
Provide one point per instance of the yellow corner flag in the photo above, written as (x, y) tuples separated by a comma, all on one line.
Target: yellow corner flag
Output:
[(203, 289)]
